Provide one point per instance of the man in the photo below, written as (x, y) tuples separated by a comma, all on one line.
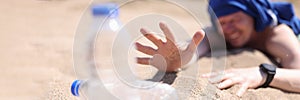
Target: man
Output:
[(269, 27)]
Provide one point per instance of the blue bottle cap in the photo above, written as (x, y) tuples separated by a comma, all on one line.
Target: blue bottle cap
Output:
[(107, 9), (75, 87)]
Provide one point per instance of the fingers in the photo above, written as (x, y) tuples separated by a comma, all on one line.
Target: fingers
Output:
[(230, 78), (232, 81), (143, 61), (229, 82), (152, 38), (242, 89), (225, 77), (145, 49), (225, 84), (167, 32), (197, 38)]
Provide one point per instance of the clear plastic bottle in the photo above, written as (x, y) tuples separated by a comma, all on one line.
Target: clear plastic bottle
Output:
[(107, 59), (92, 49)]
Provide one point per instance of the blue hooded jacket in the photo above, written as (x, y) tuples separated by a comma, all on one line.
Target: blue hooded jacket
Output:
[(264, 12)]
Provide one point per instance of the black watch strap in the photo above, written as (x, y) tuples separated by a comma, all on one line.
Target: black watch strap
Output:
[(270, 70)]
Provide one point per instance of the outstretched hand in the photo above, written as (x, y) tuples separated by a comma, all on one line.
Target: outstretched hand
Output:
[(247, 78), (168, 57)]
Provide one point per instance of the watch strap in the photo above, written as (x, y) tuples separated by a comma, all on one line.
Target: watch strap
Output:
[(270, 70)]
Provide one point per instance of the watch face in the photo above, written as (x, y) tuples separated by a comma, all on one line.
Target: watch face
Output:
[(269, 68)]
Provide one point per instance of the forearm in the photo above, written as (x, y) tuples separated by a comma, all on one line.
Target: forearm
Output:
[(287, 79)]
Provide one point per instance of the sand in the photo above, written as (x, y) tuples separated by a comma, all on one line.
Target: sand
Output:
[(36, 51)]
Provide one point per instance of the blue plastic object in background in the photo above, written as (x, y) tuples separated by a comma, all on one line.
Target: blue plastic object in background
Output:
[(110, 9)]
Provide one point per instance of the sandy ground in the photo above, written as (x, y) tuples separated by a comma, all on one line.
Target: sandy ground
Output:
[(36, 40)]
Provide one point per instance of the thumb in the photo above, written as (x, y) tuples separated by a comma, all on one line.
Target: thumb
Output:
[(197, 38)]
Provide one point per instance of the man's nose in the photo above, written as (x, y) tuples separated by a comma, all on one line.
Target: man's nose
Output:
[(228, 29)]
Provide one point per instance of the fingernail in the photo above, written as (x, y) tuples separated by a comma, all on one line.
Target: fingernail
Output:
[(162, 23), (220, 85), (199, 34), (143, 30), (136, 44), (202, 31)]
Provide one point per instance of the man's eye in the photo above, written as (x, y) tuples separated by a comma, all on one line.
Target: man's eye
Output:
[(222, 23)]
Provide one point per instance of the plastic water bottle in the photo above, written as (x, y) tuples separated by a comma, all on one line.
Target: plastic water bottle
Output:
[(110, 75), (104, 24)]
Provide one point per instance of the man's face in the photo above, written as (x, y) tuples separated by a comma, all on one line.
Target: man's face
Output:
[(238, 28)]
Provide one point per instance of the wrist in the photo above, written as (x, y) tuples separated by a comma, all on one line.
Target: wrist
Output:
[(269, 71), (263, 77)]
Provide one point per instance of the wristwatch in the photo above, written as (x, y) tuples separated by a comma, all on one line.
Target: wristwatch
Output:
[(270, 71)]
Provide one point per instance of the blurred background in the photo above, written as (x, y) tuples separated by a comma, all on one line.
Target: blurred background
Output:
[(36, 39)]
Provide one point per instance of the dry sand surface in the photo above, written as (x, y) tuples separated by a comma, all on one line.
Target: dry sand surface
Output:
[(36, 40)]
